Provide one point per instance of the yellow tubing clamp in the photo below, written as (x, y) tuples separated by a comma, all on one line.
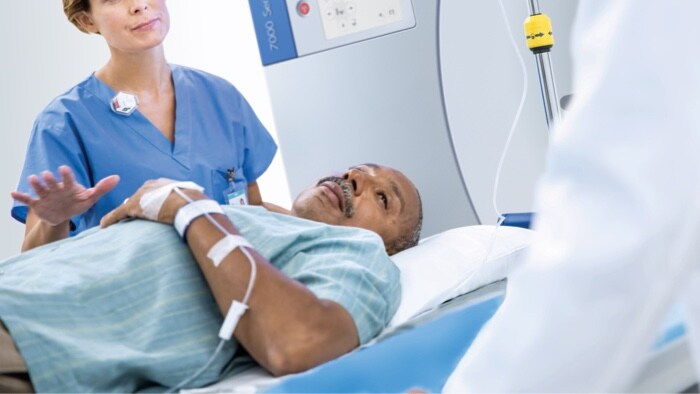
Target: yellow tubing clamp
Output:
[(538, 32)]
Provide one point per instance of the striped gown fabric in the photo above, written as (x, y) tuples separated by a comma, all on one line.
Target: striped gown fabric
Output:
[(126, 308)]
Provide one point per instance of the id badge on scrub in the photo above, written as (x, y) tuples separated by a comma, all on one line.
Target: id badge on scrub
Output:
[(237, 197), (235, 194)]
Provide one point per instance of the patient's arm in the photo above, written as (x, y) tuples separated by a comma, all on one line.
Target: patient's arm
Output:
[(287, 328)]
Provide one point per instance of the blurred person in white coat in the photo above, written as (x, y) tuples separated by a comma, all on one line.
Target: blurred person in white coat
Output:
[(618, 226)]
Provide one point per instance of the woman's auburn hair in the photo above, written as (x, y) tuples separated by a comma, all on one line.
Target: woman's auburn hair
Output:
[(73, 8)]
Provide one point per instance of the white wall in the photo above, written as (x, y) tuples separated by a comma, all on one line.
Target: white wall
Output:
[(43, 55)]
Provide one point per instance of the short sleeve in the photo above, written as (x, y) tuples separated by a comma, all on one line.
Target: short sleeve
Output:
[(49, 148), (369, 290), (260, 147)]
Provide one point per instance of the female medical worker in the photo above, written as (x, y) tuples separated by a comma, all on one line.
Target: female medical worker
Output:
[(188, 125)]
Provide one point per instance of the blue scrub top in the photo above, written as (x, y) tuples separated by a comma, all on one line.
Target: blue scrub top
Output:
[(215, 130)]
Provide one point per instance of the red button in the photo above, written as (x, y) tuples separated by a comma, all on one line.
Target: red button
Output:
[(303, 8)]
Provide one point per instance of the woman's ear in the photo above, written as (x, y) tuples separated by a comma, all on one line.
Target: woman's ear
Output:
[(85, 21)]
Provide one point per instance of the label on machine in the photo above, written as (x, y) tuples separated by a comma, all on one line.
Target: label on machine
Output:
[(286, 29), (273, 30)]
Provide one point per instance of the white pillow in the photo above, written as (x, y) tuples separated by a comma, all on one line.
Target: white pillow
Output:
[(454, 262)]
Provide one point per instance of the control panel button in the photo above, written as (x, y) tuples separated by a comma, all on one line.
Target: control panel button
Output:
[(303, 8), (350, 8)]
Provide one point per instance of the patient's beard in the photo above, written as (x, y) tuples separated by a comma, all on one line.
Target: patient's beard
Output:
[(346, 187)]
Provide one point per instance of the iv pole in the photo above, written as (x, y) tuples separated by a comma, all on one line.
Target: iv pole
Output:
[(540, 40)]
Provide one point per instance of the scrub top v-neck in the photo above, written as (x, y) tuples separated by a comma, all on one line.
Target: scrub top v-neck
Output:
[(216, 131)]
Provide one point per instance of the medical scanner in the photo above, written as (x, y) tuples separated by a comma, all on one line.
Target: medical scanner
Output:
[(429, 87)]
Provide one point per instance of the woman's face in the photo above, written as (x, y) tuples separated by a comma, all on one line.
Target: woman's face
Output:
[(128, 26)]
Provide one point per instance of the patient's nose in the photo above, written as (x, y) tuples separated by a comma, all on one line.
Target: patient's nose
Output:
[(357, 179)]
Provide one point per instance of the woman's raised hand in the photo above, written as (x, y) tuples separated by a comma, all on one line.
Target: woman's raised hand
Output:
[(58, 200)]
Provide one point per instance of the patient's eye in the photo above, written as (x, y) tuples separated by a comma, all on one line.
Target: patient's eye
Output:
[(385, 201)]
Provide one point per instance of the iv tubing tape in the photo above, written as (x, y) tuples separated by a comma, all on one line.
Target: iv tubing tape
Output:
[(226, 245)]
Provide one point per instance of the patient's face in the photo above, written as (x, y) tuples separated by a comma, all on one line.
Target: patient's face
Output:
[(373, 197)]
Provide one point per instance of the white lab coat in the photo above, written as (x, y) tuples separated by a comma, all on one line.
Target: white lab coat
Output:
[(618, 237)]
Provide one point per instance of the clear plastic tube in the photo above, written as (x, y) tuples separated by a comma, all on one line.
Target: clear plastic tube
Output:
[(246, 298), (504, 153)]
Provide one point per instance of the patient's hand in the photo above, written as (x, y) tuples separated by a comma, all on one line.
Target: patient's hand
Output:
[(131, 208), (59, 200)]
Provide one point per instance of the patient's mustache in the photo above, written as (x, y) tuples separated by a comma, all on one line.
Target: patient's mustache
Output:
[(346, 187)]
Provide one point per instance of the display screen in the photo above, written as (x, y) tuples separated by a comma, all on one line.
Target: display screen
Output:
[(343, 17)]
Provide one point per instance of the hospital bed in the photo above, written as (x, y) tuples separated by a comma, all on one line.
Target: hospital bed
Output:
[(453, 283)]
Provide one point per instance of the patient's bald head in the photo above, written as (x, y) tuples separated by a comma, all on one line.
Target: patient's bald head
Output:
[(370, 196)]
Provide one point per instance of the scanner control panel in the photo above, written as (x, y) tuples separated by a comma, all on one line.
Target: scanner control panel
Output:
[(287, 29)]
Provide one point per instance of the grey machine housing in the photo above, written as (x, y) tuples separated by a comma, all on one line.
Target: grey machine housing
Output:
[(433, 94)]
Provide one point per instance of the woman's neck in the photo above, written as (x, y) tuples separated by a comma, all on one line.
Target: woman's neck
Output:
[(140, 74)]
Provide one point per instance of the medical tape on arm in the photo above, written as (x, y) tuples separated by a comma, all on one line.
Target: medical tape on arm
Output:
[(152, 201), (188, 213), (226, 245), (217, 253)]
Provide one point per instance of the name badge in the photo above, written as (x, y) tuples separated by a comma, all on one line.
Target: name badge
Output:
[(235, 194), (237, 197)]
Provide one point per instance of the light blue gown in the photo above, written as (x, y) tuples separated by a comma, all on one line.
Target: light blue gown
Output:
[(126, 308)]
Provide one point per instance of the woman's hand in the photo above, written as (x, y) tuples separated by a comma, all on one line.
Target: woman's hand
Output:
[(59, 200), (131, 208)]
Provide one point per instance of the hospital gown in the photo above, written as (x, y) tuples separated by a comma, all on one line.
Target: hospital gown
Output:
[(127, 309), (215, 130)]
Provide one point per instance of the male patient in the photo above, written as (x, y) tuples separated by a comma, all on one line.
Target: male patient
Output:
[(127, 308)]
